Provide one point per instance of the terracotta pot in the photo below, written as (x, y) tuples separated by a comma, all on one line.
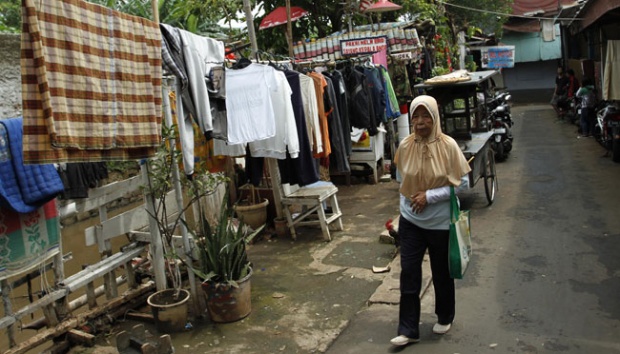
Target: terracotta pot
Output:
[(169, 309), (254, 215), (225, 303)]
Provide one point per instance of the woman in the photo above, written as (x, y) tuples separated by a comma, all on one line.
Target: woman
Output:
[(429, 162)]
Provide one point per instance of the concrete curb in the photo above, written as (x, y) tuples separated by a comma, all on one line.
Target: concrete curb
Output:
[(389, 290)]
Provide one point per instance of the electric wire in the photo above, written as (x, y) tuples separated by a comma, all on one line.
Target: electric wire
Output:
[(506, 14)]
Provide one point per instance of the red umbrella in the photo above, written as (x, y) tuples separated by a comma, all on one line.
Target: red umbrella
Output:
[(383, 6), (278, 16)]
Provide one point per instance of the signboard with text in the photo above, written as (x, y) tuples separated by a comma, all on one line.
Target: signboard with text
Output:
[(498, 57), (352, 47)]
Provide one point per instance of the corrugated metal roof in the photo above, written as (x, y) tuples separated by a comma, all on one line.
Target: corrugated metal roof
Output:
[(539, 7)]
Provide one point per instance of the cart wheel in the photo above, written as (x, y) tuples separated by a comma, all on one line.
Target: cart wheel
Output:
[(490, 178)]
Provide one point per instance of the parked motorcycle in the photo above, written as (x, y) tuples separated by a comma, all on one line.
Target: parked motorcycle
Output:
[(501, 122), (572, 112), (607, 128)]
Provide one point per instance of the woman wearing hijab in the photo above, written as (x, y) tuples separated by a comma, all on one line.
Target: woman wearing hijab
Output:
[(429, 162)]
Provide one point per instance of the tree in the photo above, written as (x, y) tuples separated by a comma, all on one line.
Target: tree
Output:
[(10, 16)]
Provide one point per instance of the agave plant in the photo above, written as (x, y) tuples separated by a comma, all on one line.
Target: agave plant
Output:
[(222, 248)]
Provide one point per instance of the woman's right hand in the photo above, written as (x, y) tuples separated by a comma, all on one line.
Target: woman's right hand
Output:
[(418, 202)]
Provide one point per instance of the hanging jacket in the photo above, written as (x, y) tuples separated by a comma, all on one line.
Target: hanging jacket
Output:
[(338, 161), (375, 84), (342, 100), (361, 110)]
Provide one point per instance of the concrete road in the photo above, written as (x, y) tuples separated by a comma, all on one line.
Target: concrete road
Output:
[(545, 277)]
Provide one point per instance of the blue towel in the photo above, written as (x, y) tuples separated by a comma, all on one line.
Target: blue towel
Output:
[(23, 188)]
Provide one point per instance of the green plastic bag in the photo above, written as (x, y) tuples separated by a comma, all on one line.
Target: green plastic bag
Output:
[(460, 239)]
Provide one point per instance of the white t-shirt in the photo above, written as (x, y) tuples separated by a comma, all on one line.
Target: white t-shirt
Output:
[(248, 103), (286, 129)]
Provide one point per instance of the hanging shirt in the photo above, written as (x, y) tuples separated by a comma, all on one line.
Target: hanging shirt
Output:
[(248, 103), (221, 148), (300, 170), (200, 54), (311, 112), (319, 85), (286, 132), (392, 110)]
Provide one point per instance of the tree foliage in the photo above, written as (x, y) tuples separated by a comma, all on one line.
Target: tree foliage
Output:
[(325, 17), (10, 16)]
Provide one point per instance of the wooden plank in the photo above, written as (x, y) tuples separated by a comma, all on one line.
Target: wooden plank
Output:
[(33, 307), (94, 271), (314, 192), (134, 219), (103, 195), (59, 348), (78, 320), (8, 309), (7, 321), (80, 337)]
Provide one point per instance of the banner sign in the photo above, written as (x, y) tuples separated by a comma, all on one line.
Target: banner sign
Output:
[(498, 57), (363, 45)]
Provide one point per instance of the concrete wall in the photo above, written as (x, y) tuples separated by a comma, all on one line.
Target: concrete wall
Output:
[(10, 76), (530, 47), (531, 82)]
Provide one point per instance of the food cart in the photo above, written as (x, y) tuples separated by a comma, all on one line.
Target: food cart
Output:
[(461, 97)]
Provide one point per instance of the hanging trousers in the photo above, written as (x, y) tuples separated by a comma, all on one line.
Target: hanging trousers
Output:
[(414, 241)]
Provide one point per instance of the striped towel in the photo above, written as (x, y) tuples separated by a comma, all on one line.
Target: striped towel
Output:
[(91, 83), (28, 240)]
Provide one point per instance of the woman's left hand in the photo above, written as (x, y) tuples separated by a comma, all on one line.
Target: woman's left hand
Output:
[(418, 202)]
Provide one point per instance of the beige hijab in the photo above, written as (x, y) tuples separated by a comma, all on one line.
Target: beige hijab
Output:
[(432, 162)]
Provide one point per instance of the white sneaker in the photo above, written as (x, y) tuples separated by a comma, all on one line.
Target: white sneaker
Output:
[(441, 329), (403, 340)]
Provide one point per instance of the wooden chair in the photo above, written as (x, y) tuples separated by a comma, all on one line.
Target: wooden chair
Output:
[(311, 199)]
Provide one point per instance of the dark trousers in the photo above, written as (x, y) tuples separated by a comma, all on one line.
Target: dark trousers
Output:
[(414, 241), (586, 125)]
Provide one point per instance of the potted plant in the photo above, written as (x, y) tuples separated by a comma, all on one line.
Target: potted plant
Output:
[(224, 266), (253, 209), (169, 306)]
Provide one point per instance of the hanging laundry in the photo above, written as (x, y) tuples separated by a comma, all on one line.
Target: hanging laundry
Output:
[(300, 170), (311, 112), (28, 239), (285, 139), (91, 83), (375, 84), (338, 161), (342, 100), (79, 177), (392, 109), (23, 188), (201, 54), (319, 85), (204, 157), (173, 61), (248, 103), (361, 109)]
